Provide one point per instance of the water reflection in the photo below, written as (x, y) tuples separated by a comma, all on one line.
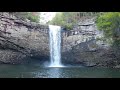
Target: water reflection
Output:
[(76, 72), (48, 73), (55, 72), (35, 71)]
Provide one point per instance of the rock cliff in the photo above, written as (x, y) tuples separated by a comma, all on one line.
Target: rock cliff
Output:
[(21, 39)]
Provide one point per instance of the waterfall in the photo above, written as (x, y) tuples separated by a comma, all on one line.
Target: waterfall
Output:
[(55, 45)]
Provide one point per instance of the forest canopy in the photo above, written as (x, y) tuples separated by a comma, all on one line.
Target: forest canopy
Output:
[(69, 19), (109, 23)]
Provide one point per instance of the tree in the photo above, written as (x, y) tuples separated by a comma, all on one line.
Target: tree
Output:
[(70, 19), (110, 24), (32, 16), (63, 19)]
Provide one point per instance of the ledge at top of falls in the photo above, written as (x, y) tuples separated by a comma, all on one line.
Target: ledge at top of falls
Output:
[(87, 22)]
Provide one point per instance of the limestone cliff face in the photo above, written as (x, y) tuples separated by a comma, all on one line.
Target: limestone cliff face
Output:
[(21, 39), (85, 49)]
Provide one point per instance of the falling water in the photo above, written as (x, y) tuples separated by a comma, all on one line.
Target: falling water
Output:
[(55, 45)]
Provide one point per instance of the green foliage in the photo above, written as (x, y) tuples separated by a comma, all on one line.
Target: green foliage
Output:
[(68, 19), (32, 18), (27, 15), (64, 19), (109, 22)]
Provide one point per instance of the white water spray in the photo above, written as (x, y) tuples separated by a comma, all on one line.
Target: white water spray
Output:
[(55, 45)]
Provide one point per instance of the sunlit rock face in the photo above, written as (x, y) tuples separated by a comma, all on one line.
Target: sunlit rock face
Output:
[(22, 38)]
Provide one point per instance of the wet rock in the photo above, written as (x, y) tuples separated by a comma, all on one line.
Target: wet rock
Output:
[(117, 66)]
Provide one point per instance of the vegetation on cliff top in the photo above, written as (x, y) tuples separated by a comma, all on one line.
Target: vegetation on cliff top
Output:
[(32, 16), (109, 23), (69, 19)]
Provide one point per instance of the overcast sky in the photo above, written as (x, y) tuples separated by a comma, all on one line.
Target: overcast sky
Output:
[(46, 16)]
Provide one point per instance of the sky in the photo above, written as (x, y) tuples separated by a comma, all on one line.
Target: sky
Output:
[(46, 16)]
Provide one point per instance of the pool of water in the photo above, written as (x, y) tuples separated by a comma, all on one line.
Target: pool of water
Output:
[(35, 70)]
